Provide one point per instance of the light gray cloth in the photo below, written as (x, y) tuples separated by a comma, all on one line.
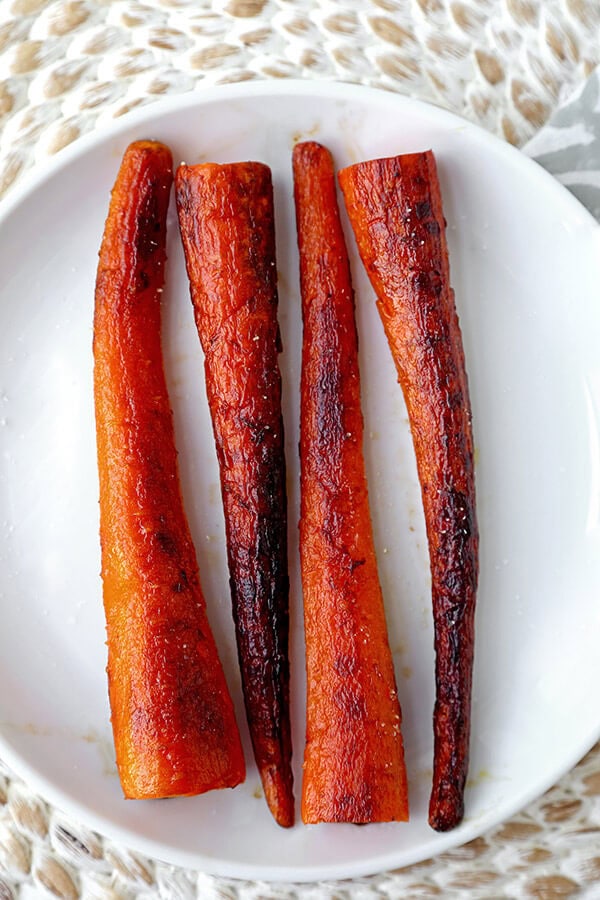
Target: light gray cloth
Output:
[(569, 145)]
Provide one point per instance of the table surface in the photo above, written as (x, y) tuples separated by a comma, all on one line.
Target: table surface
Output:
[(70, 66)]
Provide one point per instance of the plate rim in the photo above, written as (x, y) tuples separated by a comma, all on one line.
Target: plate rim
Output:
[(47, 168), (51, 168)]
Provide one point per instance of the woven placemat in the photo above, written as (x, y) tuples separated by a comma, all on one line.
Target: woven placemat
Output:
[(69, 67), (550, 851)]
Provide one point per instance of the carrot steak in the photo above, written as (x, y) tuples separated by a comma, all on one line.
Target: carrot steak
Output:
[(227, 227), (395, 209), (172, 715), (354, 761)]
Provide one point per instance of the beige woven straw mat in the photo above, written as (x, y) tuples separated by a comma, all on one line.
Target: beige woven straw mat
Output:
[(69, 67)]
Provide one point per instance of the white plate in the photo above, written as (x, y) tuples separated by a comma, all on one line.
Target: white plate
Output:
[(525, 260)]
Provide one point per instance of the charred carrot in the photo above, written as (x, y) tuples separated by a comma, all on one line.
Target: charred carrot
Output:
[(172, 715), (395, 209), (354, 759), (227, 227)]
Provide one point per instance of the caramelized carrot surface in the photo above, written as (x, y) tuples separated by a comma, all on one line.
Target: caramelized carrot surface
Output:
[(172, 715), (354, 760), (395, 209), (227, 227)]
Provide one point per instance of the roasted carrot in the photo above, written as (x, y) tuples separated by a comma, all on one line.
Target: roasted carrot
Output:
[(227, 226), (354, 758), (172, 716), (395, 210)]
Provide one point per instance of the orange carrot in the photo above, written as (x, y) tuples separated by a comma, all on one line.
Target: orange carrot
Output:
[(227, 226), (172, 715), (395, 209), (354, 760)]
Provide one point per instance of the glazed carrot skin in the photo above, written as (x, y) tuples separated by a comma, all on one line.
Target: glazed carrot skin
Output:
[(354, 759), (395, 209), (227, 226), (172, 716)]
